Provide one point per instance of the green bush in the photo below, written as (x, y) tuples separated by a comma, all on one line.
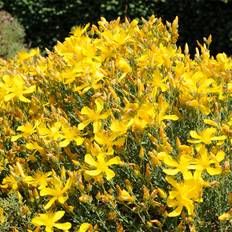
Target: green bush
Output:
[(11, 35), (116, 129)]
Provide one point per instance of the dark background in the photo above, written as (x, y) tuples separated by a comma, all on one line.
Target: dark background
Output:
[(46, 21)]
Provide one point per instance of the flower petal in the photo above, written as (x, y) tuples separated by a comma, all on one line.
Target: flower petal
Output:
[(222, 137), (93, 172), (194, 134), (63, 226), (115, 160), (79, 140), (109, 174), (171, 172), (214, 171), (58, 215), (170, 117), (15, 137), (64, 143), (84, 227), (176, 212), (50, 203), (90, 160), (220, 156)]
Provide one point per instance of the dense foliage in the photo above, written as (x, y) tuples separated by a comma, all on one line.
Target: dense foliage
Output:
[(49, 21), (116, 129), (11, 35)]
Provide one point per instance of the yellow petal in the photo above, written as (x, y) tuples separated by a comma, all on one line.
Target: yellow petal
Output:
[(93, 172), (31, 89), (225, 216), (214, 171), (86, 111), (169, 161), (162, 193), (90, 160), (8, 97), (172, 196), (171, 181), (24, 99), (176, 212), (193, 141), (170, 172), (100, 105), (83, 124), (187, 175), (171, 202), (222, 137), (46, 191), (109, 174), (58, 215), (210, 122), (64, 143), (15, 137), (63, 226), (170, 117), (194, 134), (220, 156), (62, 199), (84, 227), (37, 221), (79, 140), (115, 160), (50, 203), (210, 131)]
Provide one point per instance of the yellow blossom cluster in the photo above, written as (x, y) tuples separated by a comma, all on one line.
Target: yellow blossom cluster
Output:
[(117, 129)]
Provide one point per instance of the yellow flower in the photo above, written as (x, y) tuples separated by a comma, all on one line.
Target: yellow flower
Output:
[(119, 127), (39, 179), (93, 75), (15, 87), (226, 216), (109, 138), (35, 146), (116, 36), (144, 115), (183, 165), (2, 216), (10, 182), (27, 129), (85, 227), (53, 132), (79, 31), (161, 110), (58, 191), (25, 55), (204, 161), (93, 115), (158, 82), (210, 122), (101, 165), (184, 194), (70, 134), (206, 136), (49, 220), (123, 65), (123, 195)]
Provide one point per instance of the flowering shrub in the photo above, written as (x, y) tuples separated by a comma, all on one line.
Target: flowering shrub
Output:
[(117, 129)]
